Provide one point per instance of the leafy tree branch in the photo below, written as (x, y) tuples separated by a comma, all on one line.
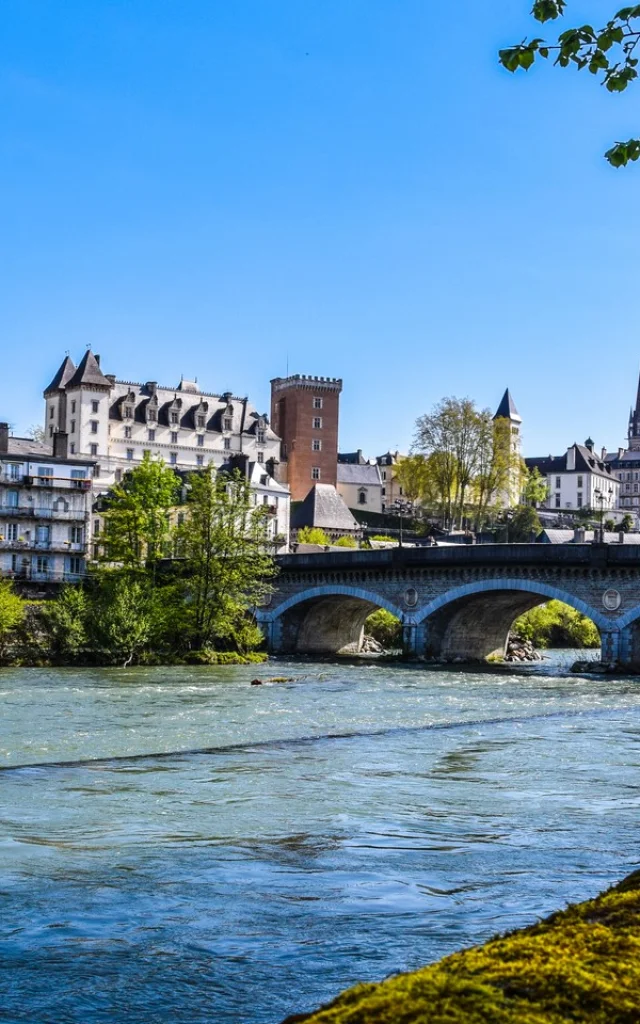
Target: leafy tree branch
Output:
[(608, 53)]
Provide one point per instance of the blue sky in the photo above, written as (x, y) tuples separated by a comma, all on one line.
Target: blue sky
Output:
[(352, 187)]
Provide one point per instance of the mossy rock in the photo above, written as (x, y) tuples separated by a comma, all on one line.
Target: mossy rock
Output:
[(579, 965)]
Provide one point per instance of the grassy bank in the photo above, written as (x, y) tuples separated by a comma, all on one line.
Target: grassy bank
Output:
[(580, 965)]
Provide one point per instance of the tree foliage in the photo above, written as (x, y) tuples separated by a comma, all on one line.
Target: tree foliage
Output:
[(137, 515), (535, 488), (11, 615), (608, 53), (556, 625), (313, 535), (385, 628)]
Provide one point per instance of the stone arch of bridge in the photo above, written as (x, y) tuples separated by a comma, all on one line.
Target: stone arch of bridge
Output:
[(322, 619), (472, 621)]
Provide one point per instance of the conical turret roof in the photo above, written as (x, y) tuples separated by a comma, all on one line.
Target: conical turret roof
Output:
[(62, 377), (89, 373), (507, 409)]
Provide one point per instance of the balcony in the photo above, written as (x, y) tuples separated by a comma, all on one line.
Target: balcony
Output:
[(37, 512), (27, 574)]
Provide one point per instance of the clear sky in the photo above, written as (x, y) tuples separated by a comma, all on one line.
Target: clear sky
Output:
[(350, 188)]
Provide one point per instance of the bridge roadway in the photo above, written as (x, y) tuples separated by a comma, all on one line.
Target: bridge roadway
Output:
[(453, 602)]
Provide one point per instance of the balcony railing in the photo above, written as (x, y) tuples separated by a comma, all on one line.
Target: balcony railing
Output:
[(47, 576), (64, 546), (37, 512)]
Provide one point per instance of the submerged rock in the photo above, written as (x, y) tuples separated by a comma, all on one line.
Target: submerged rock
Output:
[(521, 650), (581, 965)]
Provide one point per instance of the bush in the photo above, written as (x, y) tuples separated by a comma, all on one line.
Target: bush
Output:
[(385, 628), (312, 535), (556, 625), (11, 615), (346, 542), (206, 656), (385, 537)]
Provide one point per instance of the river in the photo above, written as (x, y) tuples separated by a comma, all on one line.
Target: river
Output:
[(178, 845)]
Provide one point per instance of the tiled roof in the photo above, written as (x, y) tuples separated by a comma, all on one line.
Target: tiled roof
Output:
[(586, 462), (89, 373), (27, 446), (324, 507), (62, 377), (364, 476)]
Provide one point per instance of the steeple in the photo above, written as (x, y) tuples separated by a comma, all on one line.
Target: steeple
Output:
[(507, 409), (62, 377), (89, 373), (634, 423)]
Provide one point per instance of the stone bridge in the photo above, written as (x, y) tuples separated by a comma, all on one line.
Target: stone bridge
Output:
[(454, 602)]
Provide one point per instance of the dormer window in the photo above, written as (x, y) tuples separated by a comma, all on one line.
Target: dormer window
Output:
[(261, 436), (128, 412), (152, 415), (174, 417), (200, 422), (227, 423)]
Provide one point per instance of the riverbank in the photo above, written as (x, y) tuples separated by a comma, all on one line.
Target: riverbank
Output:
[(578, 965)]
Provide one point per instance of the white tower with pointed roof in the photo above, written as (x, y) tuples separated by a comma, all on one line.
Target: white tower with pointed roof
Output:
[(507, 411)]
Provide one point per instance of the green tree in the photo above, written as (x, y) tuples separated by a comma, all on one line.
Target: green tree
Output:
[(313, 535), (449, 433), (137, 515), (497, 472), (609, 54), (524, 525), (11, 615), (346, 542), (535, 490), (122, 614), (224, 544), (385, 628), (556, 624), (66, 619), (626, 523)]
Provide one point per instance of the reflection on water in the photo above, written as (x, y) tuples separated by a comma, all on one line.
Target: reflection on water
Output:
[(355, 821)]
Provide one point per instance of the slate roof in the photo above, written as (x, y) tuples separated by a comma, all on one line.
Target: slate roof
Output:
[(568, 537), (89, 373), (28, 447), (63, 376), (324, 507), (586, 462), (361, 476), (352, 458), (507, 408)]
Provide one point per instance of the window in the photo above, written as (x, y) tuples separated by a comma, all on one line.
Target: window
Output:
[(96, 471), (174, 437), (264, 480), (50, 431), (227, 442), (200, 440), (383, 474), (173, 458), (265, 499), (12, 531), (94, 426), (200, 422), (384, 491), (151, 415), (580, 484), (130, 454), (317, 403), (174, 417), (12, 499), (42, 564), (72, 448), (45, 475), (127, 432), (96, 527), (199, 460), (13, 471), (579, 500), (260, 457), (362, 497), (261, 437), (557, 501), (128, 412), (78, 477), (315, 473), (52, 412), (94, 407), (228, 424), (118, 473), (93, 449), (73, 427), (151, 435), (317, 422), (558, 483), (73, 407), (316, 445), (75, 534), (75, 565)]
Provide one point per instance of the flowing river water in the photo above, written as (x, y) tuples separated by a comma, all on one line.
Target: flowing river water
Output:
[(178, 845)]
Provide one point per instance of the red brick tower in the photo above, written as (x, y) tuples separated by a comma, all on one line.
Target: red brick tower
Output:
[(304, 413)]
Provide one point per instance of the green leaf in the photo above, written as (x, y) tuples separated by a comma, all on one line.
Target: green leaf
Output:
[(548, 10)]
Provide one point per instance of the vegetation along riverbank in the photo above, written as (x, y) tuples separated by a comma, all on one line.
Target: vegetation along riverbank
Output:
[(580, 965)]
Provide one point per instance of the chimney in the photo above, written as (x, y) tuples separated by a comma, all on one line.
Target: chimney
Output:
[(97, 359), (621, 452), (60, 444), (579, 535), (603, 454), (4, 438), (571, 458)]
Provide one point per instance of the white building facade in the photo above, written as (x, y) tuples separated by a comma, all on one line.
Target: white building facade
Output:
[(580, 478), (115, 423), (45, 510)]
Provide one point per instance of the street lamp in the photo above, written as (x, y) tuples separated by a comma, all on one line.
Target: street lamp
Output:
[(601, 497), (402, 508)]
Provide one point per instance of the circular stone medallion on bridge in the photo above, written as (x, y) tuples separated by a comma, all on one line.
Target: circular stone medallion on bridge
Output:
[(410, 597), (611, 600)]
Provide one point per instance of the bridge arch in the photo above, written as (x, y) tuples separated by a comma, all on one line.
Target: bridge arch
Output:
[(322, 619), (472, 621)]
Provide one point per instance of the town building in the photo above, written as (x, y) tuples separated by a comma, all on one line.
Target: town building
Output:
[(625, 465), (391, 487), (360, 484), (581, 478), (304, 414), (45, 509), (507, 411), (325, 509)]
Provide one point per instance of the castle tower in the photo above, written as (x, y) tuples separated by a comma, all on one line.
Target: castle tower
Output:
[(507, 411), (304, 414)]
